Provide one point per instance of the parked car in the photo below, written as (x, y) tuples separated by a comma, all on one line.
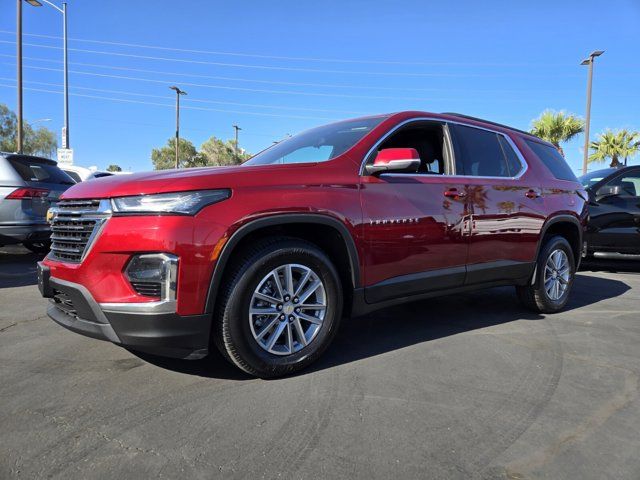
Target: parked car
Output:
[(82, 174), (263, 260), (613, 231), (28, 187)]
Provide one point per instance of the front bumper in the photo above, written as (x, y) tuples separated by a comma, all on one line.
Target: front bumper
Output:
[(156, 331)]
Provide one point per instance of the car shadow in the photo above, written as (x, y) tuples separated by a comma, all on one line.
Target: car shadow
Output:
[(410, 324), (18, 267)]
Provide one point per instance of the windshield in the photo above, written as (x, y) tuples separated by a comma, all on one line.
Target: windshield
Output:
[(318, 144), (34, 170), (592, 178)]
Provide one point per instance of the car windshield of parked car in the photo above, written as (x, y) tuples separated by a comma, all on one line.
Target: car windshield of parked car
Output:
[(318, 144), (594, 177)]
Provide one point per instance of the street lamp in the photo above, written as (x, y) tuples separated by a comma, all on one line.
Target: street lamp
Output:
[(588, 61), (63, 11), (178, 93), (236, 128)]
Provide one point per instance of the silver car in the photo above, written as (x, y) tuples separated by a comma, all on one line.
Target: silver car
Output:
[(28, 187)]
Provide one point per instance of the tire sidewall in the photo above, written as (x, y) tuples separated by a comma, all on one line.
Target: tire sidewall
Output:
[(555, 243), (236, 315)]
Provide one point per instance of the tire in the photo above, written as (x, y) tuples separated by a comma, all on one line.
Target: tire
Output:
[(38, 247), (535, 296), (236, 330)]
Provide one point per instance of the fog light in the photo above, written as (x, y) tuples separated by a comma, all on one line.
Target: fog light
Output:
[(153, 275)]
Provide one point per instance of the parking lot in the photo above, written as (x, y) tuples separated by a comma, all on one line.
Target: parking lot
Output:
[(470, 386)]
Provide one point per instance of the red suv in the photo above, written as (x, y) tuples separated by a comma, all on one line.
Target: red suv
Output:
[(264, 259)]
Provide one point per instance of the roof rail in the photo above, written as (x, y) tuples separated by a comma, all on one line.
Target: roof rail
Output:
[(469, 117)]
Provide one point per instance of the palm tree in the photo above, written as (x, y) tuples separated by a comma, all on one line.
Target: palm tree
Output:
[(630, 144), (615, 145), (557, 127)]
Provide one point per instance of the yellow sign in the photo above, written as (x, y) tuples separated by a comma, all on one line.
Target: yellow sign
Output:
[(49, 215)]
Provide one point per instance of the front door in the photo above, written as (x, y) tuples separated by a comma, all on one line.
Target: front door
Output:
[(615, 215), (414, 222)]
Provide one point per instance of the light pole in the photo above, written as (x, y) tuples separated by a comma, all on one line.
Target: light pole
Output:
[(178, 93), (19, 138), (63, 11), (236, 128), (588, 61)]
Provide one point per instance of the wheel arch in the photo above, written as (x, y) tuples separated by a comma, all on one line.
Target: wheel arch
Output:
[(567, 226), (343, 247)]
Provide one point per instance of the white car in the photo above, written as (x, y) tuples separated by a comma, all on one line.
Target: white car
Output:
[(82, 174)]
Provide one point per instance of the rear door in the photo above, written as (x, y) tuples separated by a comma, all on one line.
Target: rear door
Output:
[(507, 211), (615, 219)]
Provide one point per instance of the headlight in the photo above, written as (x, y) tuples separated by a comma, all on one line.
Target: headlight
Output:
[(185, 203)]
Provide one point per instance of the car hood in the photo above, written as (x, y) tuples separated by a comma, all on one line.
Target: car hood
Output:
[(180, 180)]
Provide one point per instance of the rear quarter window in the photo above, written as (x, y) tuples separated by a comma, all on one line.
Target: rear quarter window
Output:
[(34, 171), (552, 159)]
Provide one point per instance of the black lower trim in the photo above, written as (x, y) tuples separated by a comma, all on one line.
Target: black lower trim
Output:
[(497, 271), (165, 334), (415, 283), (446, 281)]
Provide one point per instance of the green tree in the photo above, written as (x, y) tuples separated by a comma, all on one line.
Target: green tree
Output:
[(165, 157), (40, 141), (219, 153), (615, 145), (557, 127), (114, 168)]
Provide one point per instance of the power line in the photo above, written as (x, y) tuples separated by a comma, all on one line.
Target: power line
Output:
[(191, 99), (272, 67), (237, 79), (256, 90), (285, 57), (140, 102)]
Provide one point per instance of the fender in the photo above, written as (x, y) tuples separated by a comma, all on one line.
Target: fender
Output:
[(275, 220), (562, 218)]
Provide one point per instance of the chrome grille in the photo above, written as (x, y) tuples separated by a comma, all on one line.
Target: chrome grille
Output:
[(74, 226)]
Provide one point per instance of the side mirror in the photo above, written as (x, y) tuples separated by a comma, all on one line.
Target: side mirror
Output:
[(609, 191), (395, 160)]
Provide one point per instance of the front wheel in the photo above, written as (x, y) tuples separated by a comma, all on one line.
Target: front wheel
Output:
[(280, 309), (555, 269)]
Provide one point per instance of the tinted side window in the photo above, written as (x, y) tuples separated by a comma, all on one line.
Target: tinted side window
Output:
[(552, 159), (513, 162), (479, 153), (629, 184)]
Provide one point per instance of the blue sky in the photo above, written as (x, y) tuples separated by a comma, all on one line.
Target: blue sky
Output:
[(279, 67)]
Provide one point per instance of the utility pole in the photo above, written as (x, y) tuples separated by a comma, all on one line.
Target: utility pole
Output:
[(236, 128), (178, 93), (588, 61), (19, 74), (36, 3)]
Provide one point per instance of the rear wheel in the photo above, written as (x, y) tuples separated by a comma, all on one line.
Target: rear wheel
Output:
[(42, 246), (280, 309), (555, 270)]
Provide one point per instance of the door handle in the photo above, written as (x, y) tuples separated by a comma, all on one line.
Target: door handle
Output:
[(531, 193), (454, 193)]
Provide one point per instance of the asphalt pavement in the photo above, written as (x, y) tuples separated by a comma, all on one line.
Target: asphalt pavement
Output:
[(465, 386)]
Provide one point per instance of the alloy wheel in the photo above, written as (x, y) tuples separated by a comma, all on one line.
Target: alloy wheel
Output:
[(557, 272), (287, 309)]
